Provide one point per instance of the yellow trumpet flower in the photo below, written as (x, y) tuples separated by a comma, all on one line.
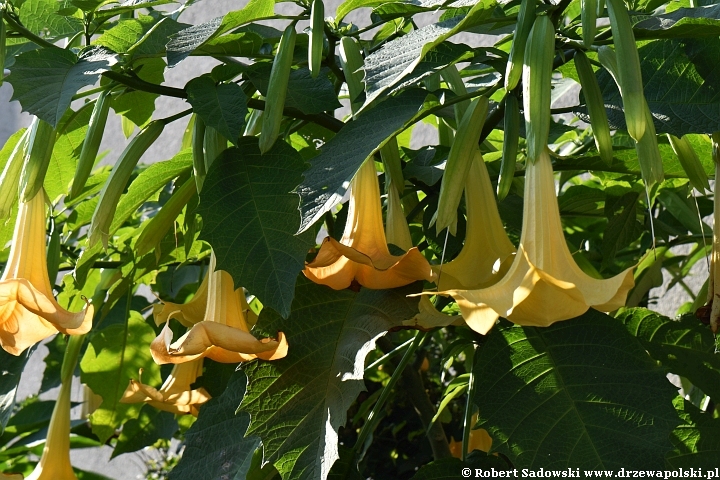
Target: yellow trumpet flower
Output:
[(487, 252), (188, 313), (544, 284), (175, 395), (55, 460), (28, 309), (362, 253), (223, 335), (11, 476), (480, 439)]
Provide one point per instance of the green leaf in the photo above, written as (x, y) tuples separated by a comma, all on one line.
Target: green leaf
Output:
[(623, 227), (330, 173), (127, 7), (222, 107), (581, 393), (42, 17), (150, 426), (115, 355), (186, 41), (215, 444), (250, 219), (297, 404), (449, 468), (697, 442), (426, 164), (685, 347), (45, 80), (65, 155), (123, 36), (145, 185), (441, 56), (397, 58), (681, 80), (139, 106), (683, 22), (10, 372), (349, 5), (244, 44), (307, 94)]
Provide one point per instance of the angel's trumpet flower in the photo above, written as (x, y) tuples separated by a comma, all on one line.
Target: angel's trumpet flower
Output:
[(188, 313), (28, 310), (223, 335), (175, 395), (544, 284), (11, 476), (55, 460), (480, 439), (487, 252), (362, 253)]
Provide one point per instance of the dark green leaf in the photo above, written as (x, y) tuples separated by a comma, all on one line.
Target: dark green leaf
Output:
[(215, 444), (623, 227), (681, 80), (441, 56), (114, 356), (45, 80), (685, 347), (245, 44), (150, 426), (697, 442), (330, 173), (298, 403), (683, 22), (450, 468), (582, 393), (222, 107), (11, 368), (307, 94), (135, 105), (426, 164), (250, 219), (397, 58), (53, 362)]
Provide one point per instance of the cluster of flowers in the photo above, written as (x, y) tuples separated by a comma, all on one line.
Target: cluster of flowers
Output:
[(536, 284)]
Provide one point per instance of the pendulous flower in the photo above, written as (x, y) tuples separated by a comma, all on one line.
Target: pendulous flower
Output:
[(362, 253), (175, 395), (544, 284), (480, 439), (223, 334), (55, 460), (28, 309)]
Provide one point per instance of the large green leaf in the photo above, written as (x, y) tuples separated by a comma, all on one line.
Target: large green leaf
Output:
[(145, 185), (328, 178), (250, 219), (397, 58), (215, 444), (222, 107), (114, 356), (697, 442), (42, 17), (307, 94), (685, 347), (67, 151), (150, 426), (186, 41), (683, 22), (45, 80), (297, 404), (135, 105), (11, 368), (681, 79), (582, 393), (126, 33)]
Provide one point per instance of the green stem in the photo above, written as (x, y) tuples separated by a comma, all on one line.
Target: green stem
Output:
[(373, 419), (72, 352), (469, 409), (389, 355), (25, 32)]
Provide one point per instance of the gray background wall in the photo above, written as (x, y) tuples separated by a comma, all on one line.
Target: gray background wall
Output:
[(131, 466)]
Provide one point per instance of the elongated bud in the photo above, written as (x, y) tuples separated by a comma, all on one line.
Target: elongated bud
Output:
[(629, 76), (393, 165), (91, 145), (596, 107), (458, 164), (588, 16), (315, 45), (10, 177), (116, 183), (40, 146), (351, 61), (160, 224), (455, 82), (254, 122), (690, 162), (526, 17), (510, 145), (188, 133), (277, 90), (198, 152), (53, 252), (647, 149), (214, 144), (537, 77)]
